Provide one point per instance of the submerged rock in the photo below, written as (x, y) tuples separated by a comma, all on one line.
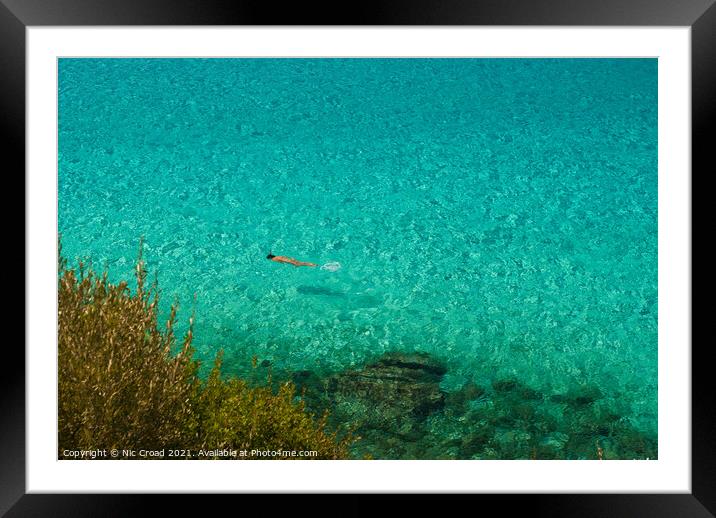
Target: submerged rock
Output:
[(311, 388), (307, 382), (580, 396), (456, 403), (504, 385), (394, 394), (512, 387)]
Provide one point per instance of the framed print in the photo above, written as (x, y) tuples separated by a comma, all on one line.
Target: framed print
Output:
[(431, 250)]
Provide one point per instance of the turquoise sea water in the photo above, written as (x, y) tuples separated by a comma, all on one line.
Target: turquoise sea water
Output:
[(499, 214)]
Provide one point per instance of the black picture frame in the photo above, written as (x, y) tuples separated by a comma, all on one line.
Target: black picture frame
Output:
[(699, 15)]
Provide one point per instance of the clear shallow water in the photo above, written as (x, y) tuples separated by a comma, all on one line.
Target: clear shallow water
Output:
[(500, 214)]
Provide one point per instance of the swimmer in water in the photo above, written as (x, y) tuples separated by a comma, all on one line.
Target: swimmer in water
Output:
[(288, 260)]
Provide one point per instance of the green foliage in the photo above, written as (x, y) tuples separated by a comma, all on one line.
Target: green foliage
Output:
[(124, 385), (235, 415)]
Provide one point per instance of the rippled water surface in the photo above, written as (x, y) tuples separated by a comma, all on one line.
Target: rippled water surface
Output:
[(499, 214)]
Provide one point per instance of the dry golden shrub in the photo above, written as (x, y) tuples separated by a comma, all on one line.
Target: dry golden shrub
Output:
[(124, 385)]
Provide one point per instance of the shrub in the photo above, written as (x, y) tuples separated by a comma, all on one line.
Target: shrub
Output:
[(234, 415), (124, 383)]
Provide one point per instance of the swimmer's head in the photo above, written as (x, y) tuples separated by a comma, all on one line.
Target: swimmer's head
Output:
[(270, 256)]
